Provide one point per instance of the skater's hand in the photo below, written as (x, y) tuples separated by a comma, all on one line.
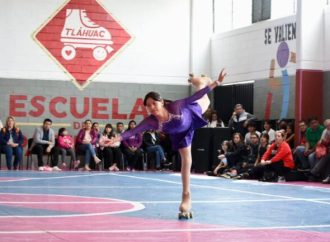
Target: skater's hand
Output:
[(221, 76)]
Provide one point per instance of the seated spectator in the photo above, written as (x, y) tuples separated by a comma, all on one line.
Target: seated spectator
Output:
[(225, 146), (302, 141), (66, 146), (132, 147), (289, 135), (239, 120), (85, 143), (282, 124), (268, 130), (322, 167), (120, 128), (215, 121), (11, 140), (277, 159), (305, 159), (44, 142), (112, 154), (235, 155), (151, 144), (251, 130), (263, 146)]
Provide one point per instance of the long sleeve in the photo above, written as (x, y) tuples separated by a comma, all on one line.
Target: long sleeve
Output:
[(197, 95), (148, 123), (37, 137), (282, 152), (3, 140), (268, 152), (80, 136), (20, 138)]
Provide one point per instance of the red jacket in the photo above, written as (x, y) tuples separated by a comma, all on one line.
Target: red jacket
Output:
[(283, 153)]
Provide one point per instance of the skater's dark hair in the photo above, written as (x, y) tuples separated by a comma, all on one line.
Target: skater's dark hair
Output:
[(156, 97)]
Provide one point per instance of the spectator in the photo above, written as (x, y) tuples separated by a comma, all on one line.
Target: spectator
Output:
[(250, 156), (112, 154), (225, 147), (282, 124), (289, 135), (305, 159), (235, 155), (301, 143), (44, 142), (268, 130), (263, 146), (120, 128), (322, 167), (66, 146), (11, 140), (85, 143), (132, 147), (215, 121), (251, 130), (151, 143), (239, 120), (277, 159)]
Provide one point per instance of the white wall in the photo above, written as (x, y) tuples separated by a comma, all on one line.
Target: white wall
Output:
[(326, 38), (159, 52), (310, 39), (244, 53)]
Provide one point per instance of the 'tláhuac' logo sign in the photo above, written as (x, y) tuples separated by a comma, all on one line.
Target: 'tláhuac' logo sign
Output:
[(82, 37)]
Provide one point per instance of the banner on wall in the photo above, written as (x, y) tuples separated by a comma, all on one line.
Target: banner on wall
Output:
[(82, 37)]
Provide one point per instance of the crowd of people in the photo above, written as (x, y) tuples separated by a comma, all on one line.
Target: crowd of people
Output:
[(274, 154), (268, 154), (90, 144)]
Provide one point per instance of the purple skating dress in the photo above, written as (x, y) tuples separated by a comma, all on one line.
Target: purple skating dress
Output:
[(185, 115)]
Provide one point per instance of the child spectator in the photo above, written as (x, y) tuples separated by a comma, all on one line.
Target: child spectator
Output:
[(112, 154), (66, 145)]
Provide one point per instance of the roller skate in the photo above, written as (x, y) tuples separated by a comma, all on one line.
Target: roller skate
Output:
[(185, 207), (199, 81), (81, 32)]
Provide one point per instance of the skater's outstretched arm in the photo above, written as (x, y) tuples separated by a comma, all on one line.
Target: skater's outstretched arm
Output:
[(199, 94), (148, 123)]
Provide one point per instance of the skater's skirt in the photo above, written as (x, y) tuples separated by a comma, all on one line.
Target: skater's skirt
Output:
[(184, 139)]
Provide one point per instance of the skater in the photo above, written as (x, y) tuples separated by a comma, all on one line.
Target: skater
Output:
[(179, 119)]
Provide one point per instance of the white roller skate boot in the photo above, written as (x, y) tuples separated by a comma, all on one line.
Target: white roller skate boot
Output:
[(81, 32), (185, 207), (199, 82)]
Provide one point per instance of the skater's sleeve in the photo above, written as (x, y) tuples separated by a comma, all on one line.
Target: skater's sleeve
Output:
[(197, 95), (147, 124)]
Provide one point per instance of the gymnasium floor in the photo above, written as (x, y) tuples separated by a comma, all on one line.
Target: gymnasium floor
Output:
[(142, 206)]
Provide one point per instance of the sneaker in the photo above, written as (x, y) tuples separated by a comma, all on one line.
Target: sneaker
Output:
[(326, 180), (63, 166), (76, 164), (41, 168), (281, 179), (56, 168), (116, 168), (112, 168), (47, 168), (87, 168)]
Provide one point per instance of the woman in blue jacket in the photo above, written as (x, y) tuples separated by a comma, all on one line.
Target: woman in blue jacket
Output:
[(11, 141)]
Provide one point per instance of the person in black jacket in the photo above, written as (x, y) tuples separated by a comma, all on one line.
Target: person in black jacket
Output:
[(151, 144), (239, 120)]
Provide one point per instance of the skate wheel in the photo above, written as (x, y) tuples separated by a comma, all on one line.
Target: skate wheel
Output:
[(185, 215)]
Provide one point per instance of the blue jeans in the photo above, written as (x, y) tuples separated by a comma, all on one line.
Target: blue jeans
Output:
[(89, 151), (9, 152), (159, 153)]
